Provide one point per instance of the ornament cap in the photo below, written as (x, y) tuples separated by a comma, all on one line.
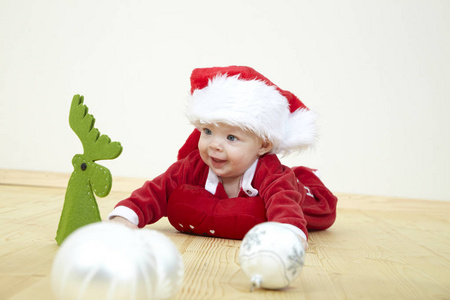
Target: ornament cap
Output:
[(256, 281)]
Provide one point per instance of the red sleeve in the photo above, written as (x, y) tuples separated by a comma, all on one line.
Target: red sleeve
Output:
[(281, 193), (149, 202)]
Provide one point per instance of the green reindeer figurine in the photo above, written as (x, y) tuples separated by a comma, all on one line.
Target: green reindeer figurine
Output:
[(80, 207)]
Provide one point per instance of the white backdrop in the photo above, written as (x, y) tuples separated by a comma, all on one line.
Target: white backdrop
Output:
[(376, 71)]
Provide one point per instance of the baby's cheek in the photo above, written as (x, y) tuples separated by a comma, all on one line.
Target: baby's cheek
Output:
[(202, 146), (204, 157)]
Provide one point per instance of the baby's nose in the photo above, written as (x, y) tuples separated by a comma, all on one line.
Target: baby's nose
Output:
[(215, 144)]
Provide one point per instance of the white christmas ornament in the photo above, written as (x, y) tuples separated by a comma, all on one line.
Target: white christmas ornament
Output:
[(111, 261), (271, 255)]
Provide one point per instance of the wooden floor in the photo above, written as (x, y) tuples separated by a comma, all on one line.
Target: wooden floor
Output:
[(379, 248)]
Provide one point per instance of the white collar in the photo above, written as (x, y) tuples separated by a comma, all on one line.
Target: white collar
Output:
[(246, 181)]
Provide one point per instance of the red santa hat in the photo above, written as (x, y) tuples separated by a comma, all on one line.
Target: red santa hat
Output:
[(240, 96)]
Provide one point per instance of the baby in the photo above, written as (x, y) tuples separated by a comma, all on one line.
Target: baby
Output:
[(228, 178)]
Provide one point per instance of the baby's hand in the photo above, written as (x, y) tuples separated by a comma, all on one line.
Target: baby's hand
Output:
[(304, 242), (124, 222)]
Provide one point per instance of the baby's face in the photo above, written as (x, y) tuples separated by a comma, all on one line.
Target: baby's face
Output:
[(229, 150)]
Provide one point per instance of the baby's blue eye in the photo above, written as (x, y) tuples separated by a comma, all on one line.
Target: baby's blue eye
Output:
[(207, 131), (231, 138)]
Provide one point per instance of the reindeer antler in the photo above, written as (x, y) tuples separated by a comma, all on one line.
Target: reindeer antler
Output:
[(95, 146)]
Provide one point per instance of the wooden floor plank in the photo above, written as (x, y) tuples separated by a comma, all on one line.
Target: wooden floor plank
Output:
[(379, 248)]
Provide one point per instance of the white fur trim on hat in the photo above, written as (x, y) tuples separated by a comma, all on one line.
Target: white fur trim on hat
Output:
[(256, 106)]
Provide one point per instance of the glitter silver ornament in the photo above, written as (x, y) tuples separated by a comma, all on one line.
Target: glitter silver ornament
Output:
[(109, 261), (271, 255)]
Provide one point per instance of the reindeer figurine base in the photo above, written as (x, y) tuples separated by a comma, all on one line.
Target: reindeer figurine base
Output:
[(88, 178)]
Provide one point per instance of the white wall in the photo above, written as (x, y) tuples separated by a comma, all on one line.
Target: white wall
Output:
[(376, 71)]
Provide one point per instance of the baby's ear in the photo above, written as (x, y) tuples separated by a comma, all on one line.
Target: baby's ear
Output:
[(265, 147)]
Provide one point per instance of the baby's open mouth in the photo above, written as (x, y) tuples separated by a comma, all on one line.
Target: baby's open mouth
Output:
[(217, 161)]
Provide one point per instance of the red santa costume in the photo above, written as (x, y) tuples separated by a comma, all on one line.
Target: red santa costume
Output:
[(193, 197)]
